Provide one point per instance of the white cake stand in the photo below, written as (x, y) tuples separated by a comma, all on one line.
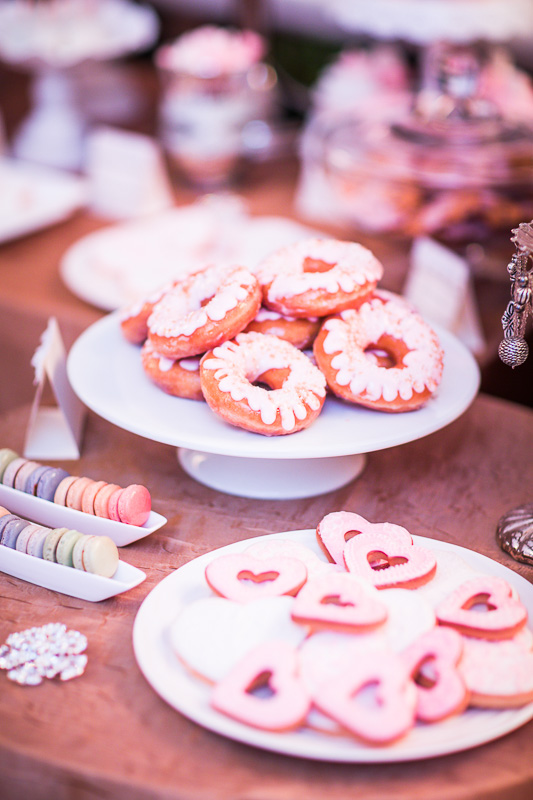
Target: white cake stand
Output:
[(105, 372), (50, 40)]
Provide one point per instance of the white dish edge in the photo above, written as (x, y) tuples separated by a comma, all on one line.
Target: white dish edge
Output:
[(53, 515), (69, 580)]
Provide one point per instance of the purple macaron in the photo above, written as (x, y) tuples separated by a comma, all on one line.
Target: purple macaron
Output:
[(33, 478), (12, 531), (49, 481)]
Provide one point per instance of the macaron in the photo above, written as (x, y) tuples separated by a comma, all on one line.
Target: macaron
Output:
[(60, 496), (3, 511), (75, 492), (32, 479), (12, 531), (23, 473), (87, 498), (112, 505), (6, 456), (35, 544), (134, 505), (51, 542), (49, 481), (4, 519), (24, 536), (65, 547), (101, 499), (96, 554), (10, 472)]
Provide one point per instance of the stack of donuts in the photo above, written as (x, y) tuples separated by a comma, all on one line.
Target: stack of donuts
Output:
[(263, 347)]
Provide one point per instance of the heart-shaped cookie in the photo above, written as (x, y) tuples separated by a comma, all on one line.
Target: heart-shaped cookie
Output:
[(212, 634), (485, 606), (263, 689), (386, 562), (243, 578), (337, 528), (272, 548), (373, 697), (432, 662), (339, 601), (499, 674)]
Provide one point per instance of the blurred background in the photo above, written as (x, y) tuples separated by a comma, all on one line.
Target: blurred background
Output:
[(388, 122)]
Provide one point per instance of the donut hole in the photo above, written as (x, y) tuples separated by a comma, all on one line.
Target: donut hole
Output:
[(387, 352), (316, 265), (271, 379), (379, 560)]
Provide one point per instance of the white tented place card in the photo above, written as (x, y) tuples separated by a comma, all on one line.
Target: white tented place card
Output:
[(439, 286), (126, 174), (54, 431)]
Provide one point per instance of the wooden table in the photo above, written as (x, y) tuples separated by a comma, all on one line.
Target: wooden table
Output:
[(107, 733)]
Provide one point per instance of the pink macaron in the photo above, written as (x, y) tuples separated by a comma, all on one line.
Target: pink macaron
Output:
[(134, 505), (75, 492), (101, 500)]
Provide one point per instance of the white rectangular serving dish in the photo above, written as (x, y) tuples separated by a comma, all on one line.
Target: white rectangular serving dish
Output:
[(69, 580), (53, 515)]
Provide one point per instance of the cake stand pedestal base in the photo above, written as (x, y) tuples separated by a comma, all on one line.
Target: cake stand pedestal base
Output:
[(271, 478)]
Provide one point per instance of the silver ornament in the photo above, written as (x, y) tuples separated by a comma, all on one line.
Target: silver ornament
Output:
[(515, 533)]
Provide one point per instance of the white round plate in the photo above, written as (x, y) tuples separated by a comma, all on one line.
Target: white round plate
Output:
[(190, 696), (33, 197), (107, 268), (106, 373)]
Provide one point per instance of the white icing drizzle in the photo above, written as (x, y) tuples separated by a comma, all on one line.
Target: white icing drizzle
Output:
[(352, 266), (165, 364), (349, 334), (240, 362), (180, 311)]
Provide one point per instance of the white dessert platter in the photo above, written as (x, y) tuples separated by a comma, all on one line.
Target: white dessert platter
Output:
[(108, 268), (190, 696), (105, 372), (34, 197)]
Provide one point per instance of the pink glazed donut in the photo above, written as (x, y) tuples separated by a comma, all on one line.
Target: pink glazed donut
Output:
[(230, 373), (382, 355), (317, 277), (204, 310)]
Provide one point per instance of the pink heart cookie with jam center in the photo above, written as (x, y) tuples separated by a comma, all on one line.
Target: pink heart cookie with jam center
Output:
[(386, 562), (263, 689), (433, 664), (243, 578), (485, 606), (339, 601), (337, 528), (373, 697)]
